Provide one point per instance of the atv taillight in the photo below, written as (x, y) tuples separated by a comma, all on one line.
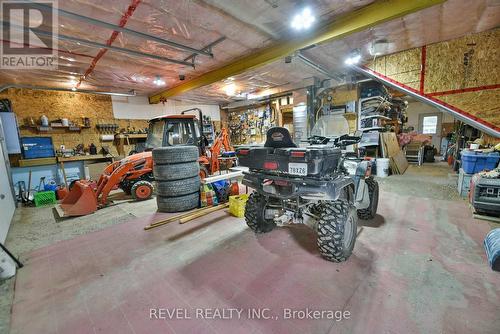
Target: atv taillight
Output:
[(243, 152), (270, 165), (298, 154)]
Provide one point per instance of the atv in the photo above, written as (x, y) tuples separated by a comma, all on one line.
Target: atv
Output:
[(318, 185)]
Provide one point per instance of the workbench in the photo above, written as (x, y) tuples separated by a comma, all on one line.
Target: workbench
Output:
[(86, 158)]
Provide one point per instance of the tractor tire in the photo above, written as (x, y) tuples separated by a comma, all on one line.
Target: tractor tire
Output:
[(337, 229), (370, 211), (178, 187), (142, 190), (254, 214), (178, 204), (175, 171), (175, 154)]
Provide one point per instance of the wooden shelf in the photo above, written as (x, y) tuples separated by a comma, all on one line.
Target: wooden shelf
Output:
[(37, 162), (131, 135), (53, 129), (85, 157), (376, 116)]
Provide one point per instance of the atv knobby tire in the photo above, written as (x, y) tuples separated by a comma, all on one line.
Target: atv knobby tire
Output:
[(254, 214), (178, 187), (175, 154), (337, 229), (179, 203), (371, 210), (176, 171)]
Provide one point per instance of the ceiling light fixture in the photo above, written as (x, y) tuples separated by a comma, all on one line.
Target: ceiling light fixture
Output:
[(353, 58), (303, 20), (158, 81), (230, 89)]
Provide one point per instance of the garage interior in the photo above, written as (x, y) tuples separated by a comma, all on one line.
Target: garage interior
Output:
[(144, 169)]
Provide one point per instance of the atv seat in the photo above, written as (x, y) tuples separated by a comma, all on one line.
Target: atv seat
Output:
[(279, 137)]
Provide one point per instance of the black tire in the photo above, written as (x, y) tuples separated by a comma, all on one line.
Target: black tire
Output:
[(178, 204), (175, 154), (175, 171), (254, 214), (142, 190), (127, 189), (370, 211), (337, 229), (178, 187)]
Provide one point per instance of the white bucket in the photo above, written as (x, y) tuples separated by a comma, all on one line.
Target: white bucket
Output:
[(7, 266), (382, 167)]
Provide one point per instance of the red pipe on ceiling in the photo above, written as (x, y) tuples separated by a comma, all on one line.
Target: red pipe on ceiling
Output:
[(123, 21)]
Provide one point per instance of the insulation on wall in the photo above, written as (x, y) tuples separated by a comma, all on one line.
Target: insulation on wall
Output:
[(469, 62), (28, 104)]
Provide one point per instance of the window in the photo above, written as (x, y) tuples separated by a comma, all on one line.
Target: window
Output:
[(155, 134), (429, 125), (180, 133)]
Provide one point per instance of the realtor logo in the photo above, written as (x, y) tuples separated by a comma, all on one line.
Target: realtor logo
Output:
[(28, 34)]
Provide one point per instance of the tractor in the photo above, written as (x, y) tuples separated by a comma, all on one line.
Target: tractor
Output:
[(134, 174)]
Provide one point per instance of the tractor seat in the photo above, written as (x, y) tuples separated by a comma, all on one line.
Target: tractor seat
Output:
[(279, 137)]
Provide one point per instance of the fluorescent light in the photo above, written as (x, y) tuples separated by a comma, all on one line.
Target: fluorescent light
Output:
[(158, 81), (353, 60), (230, 89), (304, 20)]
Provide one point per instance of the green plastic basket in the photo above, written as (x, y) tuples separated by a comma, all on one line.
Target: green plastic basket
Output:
[(45, 198)]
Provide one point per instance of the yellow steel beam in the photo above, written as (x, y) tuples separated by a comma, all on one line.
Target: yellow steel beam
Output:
[(366, 17)]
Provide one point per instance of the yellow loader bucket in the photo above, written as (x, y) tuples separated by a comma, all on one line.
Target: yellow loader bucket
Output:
[(80, 201)]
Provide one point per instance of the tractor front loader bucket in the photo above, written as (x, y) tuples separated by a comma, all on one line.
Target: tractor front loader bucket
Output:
[(80, 201)]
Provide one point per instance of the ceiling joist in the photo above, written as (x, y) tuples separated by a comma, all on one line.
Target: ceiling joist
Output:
[(364, 18)]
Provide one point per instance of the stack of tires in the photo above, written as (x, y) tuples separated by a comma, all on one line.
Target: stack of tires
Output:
[(176, 172)]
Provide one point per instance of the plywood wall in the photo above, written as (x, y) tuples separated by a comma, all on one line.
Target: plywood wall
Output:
[(463, 63), (470, 61), (55, 105)]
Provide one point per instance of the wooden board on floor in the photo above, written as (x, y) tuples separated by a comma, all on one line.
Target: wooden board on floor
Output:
[(390, 145), (398, 163), (391, 150)]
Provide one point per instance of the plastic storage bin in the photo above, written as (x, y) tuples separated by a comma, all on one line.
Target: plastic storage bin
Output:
[(45, 198), (475, 162), (237, 205)]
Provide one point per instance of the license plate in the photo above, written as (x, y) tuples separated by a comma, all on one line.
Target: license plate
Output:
[(297, 168)]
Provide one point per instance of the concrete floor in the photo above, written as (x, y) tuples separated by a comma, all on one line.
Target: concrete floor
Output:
[(418, 267)]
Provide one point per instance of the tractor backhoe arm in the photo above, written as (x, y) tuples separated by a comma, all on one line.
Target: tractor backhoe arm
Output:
[(221, 141)]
